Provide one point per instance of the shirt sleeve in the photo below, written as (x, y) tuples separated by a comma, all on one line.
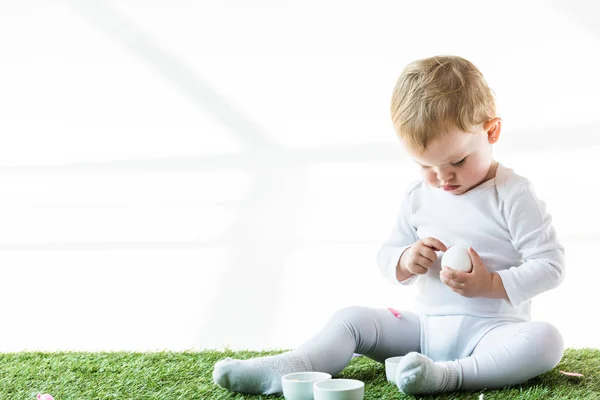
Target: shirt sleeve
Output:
[(534, 237), (402, 236)]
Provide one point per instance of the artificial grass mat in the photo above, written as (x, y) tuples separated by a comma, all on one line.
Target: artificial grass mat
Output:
[(188, 375)]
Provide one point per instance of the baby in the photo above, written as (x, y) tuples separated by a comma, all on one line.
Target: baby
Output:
[(471, 330)]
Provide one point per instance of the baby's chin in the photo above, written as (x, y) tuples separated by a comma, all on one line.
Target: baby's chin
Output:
[(457, 192)]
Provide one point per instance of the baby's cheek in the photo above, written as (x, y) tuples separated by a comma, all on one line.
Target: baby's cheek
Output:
[(430, 178), (474, 174), (480, 169)]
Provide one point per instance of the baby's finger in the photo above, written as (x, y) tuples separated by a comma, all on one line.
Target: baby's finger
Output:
[(417, 266), (423, 261), (475, 259), (456, 285), (458, 276), (419, 270), (434, 244), (446, 272), (443, 278), (451, 283), (428, 253)]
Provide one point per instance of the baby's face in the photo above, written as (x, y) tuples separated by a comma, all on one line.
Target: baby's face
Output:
[(456, 162)]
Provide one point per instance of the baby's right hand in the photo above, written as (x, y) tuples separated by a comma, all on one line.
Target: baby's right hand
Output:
[(419, 257)]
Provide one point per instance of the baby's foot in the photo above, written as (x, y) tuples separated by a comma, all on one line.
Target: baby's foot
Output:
[(259, 375), (418, 374)]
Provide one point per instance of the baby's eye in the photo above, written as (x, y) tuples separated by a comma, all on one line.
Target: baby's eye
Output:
[(459, 163)]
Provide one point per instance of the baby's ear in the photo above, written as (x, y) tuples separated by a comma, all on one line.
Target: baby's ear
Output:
[(493, 128)]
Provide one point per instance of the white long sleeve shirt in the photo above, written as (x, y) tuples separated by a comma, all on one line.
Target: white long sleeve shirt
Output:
[(503, 220)]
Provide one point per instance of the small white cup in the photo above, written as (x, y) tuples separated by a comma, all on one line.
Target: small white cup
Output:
[(391, 365), (339, 389), (299, 385)]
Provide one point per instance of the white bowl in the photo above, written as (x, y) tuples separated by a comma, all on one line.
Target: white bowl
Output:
[(391, 365), (339, 389), (299, 385)]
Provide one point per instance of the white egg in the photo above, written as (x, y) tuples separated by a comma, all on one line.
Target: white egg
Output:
[(457, 258)]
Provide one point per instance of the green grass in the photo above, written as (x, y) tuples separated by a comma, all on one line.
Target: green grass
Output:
[(187, 375)]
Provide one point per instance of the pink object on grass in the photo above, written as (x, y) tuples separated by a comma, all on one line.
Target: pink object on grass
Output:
[(577, 374), (45, 397)]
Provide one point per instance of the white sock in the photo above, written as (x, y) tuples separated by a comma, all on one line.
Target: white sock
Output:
[(417, 374), (259, 375)]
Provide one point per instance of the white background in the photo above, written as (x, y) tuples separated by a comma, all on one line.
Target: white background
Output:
[(201, 174)]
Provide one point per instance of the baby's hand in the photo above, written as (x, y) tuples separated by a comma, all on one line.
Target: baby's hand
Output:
[(477, 283), (419, 257)]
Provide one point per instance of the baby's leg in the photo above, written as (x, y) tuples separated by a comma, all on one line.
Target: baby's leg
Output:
[(375, 333), (512, 354), (372, 332)]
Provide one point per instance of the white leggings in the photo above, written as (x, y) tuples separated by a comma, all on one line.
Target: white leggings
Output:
[(507, 355)]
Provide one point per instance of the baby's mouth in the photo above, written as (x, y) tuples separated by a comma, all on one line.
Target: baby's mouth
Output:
[(450, 187)]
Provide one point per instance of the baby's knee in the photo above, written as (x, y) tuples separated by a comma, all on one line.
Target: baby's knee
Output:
[(549, 342), (353, 317)]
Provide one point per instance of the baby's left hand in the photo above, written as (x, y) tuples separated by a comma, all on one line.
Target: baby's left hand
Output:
[(477, 283)]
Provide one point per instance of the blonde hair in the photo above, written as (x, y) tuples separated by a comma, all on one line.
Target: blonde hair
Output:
[(433, 95)]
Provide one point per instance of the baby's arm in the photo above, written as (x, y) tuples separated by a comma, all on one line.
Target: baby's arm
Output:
[(534, 237), (403, 235)]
